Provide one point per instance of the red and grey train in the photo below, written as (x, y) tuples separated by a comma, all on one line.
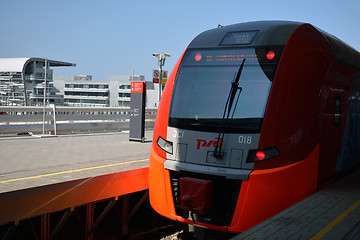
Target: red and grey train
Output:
[(254, 118)]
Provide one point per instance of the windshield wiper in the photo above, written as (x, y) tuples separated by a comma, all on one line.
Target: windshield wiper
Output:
[(229, 102)]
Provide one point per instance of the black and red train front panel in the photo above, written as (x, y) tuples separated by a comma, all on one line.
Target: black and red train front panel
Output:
[(197, 127), (237, 133)]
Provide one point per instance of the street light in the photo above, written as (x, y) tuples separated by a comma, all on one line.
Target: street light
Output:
[(44, 107), (161, 62)]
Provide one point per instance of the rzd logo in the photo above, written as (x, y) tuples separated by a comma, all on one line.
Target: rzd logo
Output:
[(204, 143)]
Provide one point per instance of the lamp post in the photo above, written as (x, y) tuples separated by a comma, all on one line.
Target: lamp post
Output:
[(44, 104), (161, 62)]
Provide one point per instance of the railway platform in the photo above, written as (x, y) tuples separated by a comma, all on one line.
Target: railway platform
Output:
[(44, 178), (331, 213), (32, 162)]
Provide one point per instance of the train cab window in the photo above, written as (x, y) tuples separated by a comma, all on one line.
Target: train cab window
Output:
[(202, 87)]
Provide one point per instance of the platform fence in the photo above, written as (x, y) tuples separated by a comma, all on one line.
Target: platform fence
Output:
[(54, 119)]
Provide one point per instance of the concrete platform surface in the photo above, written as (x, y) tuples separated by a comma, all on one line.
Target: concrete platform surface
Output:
[(331, 213), (28, 162)]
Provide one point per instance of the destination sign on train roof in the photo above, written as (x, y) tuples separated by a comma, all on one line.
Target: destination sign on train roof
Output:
[(238, 38)]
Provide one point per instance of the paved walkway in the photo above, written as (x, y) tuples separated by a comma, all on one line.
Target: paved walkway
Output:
[(331, 213), (30, 162)]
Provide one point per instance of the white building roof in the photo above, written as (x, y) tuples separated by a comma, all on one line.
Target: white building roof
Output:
[(12, 64), (17, 64)]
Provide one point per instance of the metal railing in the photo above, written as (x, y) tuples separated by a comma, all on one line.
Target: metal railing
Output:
[(24, 119)]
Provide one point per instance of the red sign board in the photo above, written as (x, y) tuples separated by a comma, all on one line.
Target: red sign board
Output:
[(137, 87), (156, 76)]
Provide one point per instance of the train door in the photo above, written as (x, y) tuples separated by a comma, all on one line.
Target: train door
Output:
[(350, 150)]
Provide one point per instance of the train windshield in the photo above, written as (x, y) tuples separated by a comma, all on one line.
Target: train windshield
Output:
[(202, 88)]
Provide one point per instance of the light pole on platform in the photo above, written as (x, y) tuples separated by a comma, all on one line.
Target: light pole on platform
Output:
[(161, 62)]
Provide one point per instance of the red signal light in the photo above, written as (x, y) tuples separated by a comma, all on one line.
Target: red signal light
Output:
[(263, 154), (270, 55), (198, 57), (260, 155)]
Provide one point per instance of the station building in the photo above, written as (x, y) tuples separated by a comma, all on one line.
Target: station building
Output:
[(22, 81), (81, 90)]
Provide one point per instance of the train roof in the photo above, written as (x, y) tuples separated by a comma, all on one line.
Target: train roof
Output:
[(268, 33), (342, 51), (272, 33)]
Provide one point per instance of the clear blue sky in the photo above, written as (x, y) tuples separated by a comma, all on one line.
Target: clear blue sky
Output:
[(111, 37)]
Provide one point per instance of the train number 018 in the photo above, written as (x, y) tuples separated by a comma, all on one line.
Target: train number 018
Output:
[(245, 139)]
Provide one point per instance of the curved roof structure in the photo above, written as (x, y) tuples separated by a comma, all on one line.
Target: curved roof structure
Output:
[(21, 80), (18, 64)]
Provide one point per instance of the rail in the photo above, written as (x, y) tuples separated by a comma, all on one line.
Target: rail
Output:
[(25, 119)]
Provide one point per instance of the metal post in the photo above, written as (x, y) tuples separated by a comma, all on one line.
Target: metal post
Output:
[(89, 221), (125, 214), (160, 79), (45, 226), (43, 132), (54, 112)]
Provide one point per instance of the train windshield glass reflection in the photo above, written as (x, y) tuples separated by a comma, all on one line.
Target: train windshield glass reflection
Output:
[(202, 87)]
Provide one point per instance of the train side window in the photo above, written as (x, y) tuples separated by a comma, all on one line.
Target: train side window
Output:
[(337, 111)]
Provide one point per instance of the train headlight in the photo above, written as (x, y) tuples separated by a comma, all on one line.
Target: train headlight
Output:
[(167, 146), (262, 154)]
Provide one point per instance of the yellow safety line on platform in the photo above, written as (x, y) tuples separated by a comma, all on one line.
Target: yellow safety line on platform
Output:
[(72, 171), (336, 221)]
